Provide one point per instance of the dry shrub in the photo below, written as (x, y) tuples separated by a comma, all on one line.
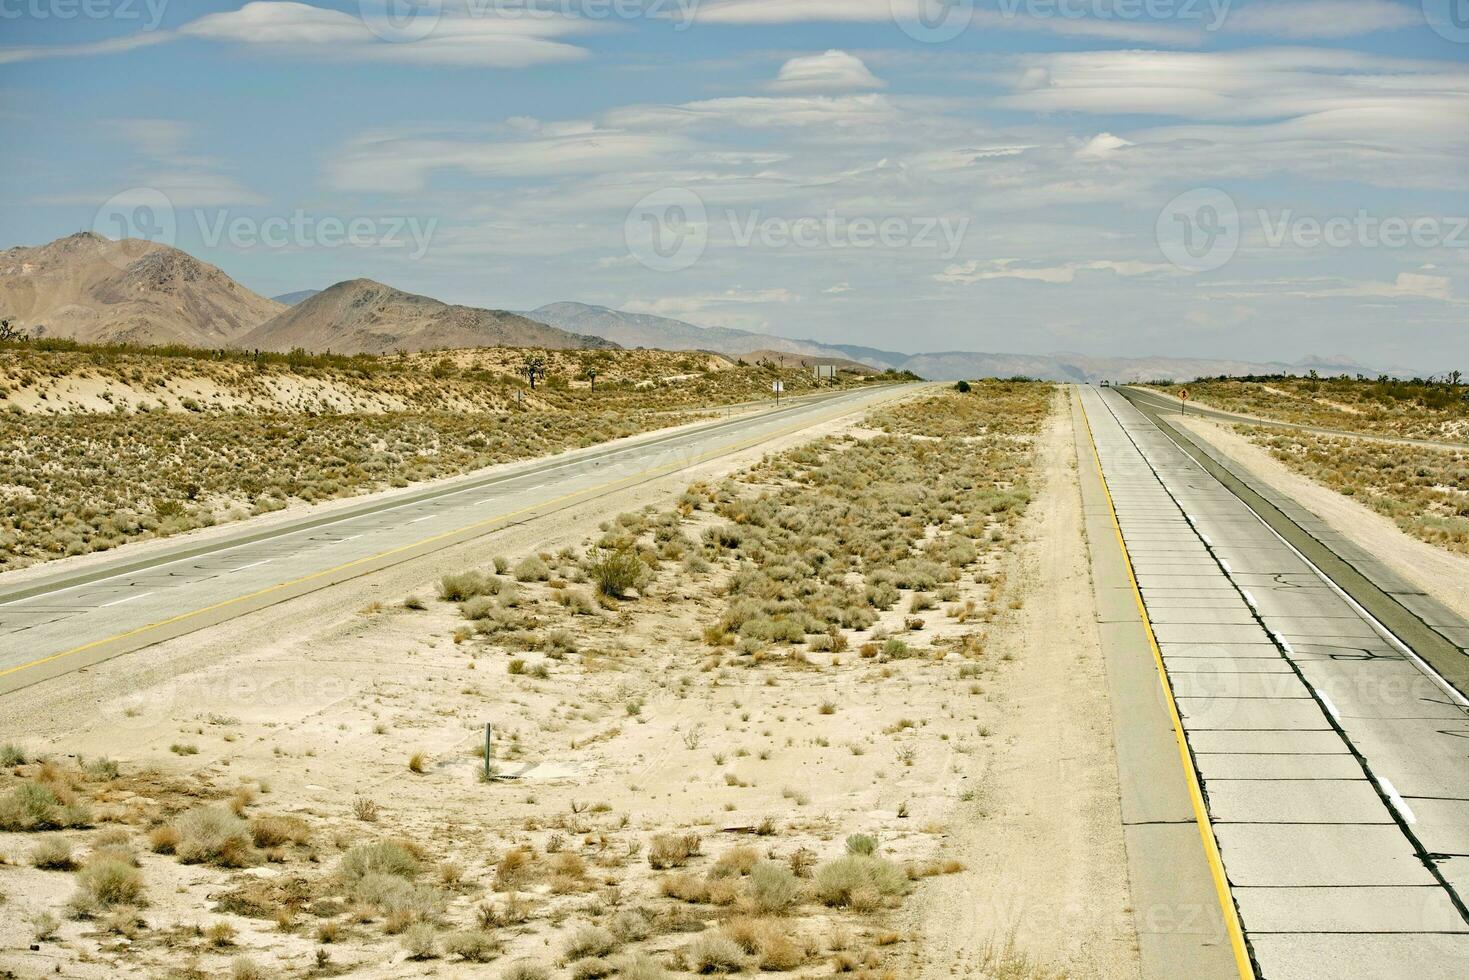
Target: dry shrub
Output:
[(515, 868), (213, 835), (163, 839), (34, 805), (105, 883), (592, 968), (275, 830), (712, 953), (525, 970), (672, 850), (773, 887), (473, 945), (244, 968), (53, 853), (684, 887), (589, 940), (641, 966), (388, 857), (736, 861), (858, 876), (420, 942)]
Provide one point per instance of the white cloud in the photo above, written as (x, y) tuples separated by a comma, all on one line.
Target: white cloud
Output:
[(982, 270), (833, 71), (301, 30), (973, 19), (1102, 146)]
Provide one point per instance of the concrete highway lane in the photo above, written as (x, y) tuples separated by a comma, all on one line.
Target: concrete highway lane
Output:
[(58, 624), (1334, 762)]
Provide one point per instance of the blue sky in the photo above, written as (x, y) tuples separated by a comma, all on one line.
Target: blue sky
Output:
[(1245, 179)]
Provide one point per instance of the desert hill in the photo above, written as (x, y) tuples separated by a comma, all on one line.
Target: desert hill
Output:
[(95, 290), (361, 316)]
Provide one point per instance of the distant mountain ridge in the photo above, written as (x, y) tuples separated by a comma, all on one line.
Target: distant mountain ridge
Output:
[(664, 333), (361, 316), (291, 299)]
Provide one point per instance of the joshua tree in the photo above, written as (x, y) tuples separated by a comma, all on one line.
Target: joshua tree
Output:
[(592, 379), (10, 332), (534, 368)]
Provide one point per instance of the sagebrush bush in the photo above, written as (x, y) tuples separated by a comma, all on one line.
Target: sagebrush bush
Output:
[(31, 805), (213, 835), (380, 857), (52, 853), (616, 571), (773, 887), (836, 882), (473, 945), (712, 953), (107, 882)]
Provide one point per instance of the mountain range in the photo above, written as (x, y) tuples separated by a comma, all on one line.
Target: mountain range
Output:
[(646, 330), (95, 290)]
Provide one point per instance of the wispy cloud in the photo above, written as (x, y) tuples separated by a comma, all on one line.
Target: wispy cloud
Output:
[(301, 30)]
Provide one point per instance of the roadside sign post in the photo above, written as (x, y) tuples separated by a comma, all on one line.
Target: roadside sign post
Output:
[(777, 387), (1183, 402), (489, 751)]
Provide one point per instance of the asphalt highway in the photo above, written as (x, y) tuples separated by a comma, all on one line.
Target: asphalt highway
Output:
[(57, 624)]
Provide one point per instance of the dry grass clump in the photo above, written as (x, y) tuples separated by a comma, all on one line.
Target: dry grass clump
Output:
[(389, 857), (53, 853), (213, 835), (672, 850), (858, 881), (713, 953), (276, 830), (34, 805), (106, 882), (472, 945), (589, 940)]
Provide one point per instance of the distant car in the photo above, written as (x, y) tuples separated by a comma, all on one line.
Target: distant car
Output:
[(1106, 384)]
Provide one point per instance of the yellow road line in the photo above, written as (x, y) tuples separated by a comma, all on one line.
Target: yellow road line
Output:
[(484, 526), (1195, 792)]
